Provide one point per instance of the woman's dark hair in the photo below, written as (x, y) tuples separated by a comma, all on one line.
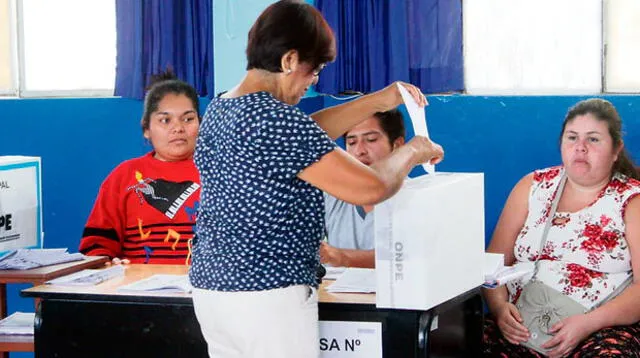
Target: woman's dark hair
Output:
[(392, 124), (162, 84), (289, 25), (604, 111)]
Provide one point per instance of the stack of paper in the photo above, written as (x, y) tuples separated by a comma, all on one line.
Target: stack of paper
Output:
[(19, 323), (160, 283), (24, 259), (89, 277), (333, 273), (497, 274), (355, 280)]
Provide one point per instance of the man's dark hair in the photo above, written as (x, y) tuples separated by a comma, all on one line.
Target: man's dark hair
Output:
[(392, 124)]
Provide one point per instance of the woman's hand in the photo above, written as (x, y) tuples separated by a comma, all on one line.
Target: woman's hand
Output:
[(427, 151), (568, 333), (390, 97), (510, 323)]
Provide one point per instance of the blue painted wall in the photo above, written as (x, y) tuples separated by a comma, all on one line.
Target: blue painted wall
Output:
[(507, 137), (81, 140), (232, 21)]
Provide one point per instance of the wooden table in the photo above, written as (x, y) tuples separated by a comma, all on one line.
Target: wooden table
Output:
[(101, 321), (36, 276)]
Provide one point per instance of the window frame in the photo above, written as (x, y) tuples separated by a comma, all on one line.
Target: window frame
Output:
[(19, 57)]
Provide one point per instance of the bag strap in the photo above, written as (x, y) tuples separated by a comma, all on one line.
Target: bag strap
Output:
[(547, 224), (626, 283)]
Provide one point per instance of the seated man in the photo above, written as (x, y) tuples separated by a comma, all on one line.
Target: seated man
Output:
[(349, 228)]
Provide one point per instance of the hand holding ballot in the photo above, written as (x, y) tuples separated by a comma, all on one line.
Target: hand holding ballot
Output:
[(419, 121), (426, 150), (391, 96)]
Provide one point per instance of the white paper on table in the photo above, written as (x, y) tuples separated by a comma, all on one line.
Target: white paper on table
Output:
[(160, 283), (89, 277), (418, 120), (333, 273), (19, 323), (25, 259), (355, 280)]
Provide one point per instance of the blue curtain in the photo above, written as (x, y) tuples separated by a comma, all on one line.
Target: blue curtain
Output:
[(153, 35), (381, 41)]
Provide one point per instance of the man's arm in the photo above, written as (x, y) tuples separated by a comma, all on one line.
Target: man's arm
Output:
[(347, 257)]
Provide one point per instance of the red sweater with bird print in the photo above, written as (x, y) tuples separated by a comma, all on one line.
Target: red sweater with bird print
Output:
[(145, 212)]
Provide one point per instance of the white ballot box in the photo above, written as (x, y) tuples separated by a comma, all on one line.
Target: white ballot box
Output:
[(430, 241), (20, 203)]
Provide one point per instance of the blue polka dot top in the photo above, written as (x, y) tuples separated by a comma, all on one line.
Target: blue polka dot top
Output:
[(259, 226)]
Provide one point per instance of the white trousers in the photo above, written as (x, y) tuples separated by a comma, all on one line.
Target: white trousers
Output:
[(278, 323)]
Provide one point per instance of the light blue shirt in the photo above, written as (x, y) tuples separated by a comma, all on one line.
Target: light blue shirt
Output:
[(347, 225)]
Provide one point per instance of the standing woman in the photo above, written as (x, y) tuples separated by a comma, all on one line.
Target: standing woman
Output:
[(264, 165)]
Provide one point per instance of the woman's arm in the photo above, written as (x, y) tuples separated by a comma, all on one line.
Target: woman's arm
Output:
[(344, 177), (337, 120), (624, 309), (503, 241), (513, 217), (509, 224), (347, 257), (511, 220)]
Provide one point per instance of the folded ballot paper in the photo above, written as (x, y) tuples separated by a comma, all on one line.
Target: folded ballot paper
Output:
[(418, 121), (430, 240), (160, 283), (497, 274), (89, 277)]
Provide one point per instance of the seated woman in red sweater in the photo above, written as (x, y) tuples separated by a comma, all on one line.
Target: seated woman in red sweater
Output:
[(145, 211)]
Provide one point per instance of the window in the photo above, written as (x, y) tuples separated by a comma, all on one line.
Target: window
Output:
[(7, 51), (533, 47), (622, 36), (62, 47)]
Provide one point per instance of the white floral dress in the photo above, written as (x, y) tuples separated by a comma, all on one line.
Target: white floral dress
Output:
[(586, 255)]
